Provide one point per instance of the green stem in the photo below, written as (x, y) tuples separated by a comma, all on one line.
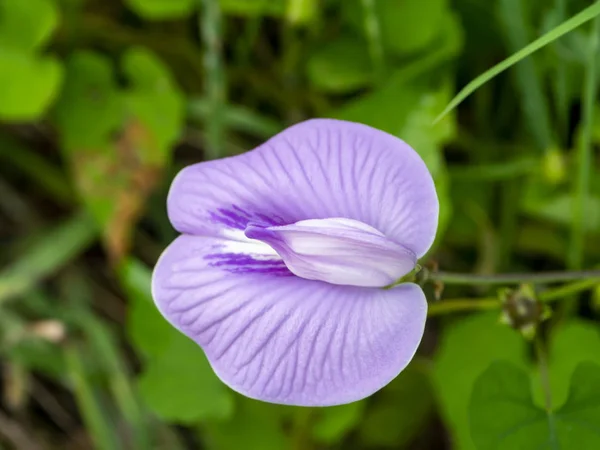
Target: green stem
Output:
[(584, 167), (491, 303), (373, 33), (462, 304), (513, 278), (210, 25)]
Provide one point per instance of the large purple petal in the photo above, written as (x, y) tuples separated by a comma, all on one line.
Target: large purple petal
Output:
[(276, 337), (317, 169)]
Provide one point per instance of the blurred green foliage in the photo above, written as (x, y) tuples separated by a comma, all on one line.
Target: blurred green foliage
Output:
[(102, 101)]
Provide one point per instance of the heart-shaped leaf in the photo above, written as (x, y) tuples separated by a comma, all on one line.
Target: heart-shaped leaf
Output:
[(504, 417)]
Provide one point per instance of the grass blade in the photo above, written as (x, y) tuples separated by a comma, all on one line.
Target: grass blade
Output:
[(51, 251), (584, 16), (584, 156), (236, 117), (97, 422), (532, 99), (122, 391)]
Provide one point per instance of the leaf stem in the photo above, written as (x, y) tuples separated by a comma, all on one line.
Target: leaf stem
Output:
[(514, 278), (491, 303), (210, 26)]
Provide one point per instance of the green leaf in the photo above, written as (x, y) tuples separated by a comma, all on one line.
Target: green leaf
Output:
[(255, 426), (468, 347), (28, 84), (335, 422), (400, 411), (571, 343), (254, 8), (587, 14), (124, 135), (179, 385), (341, 66), (386, 108), (503, 415), (147, 329), (90, 109), (25, 26), (428, 139), (405, 26), (155, 101), (162, 9)]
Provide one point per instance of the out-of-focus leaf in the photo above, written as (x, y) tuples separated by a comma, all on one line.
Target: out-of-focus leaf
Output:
[(571, 343), (300, 12), (162, 9), (400, 411), (124, 136), (28, 82), (25, 26), (504, 417), (177, 383), (406, 26), (255, 426), (427, 139), (468, 347), (386, 108), (148, 330), (254, 8), (335, 422), (341, 66), (155, 101), (557, 208), (90, 110)]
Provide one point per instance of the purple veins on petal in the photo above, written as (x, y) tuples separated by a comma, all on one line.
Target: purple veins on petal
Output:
[(283, 252)]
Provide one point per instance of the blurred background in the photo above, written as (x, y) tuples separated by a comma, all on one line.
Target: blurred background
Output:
[(103, 101)]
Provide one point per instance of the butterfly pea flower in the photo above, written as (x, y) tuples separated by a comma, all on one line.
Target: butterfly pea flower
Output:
[(282, 270)]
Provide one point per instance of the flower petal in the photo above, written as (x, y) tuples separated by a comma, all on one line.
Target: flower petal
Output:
[(284, 339), (317, 169), (338, 251)]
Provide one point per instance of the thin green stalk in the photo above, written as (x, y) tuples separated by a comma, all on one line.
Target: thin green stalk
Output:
[(513, 278), (210, 26), (584, 156), (569, 25), (97, 421), (461, 305), (561, 81), (120, 385), (53, 250), (373, 33), (491, 303)]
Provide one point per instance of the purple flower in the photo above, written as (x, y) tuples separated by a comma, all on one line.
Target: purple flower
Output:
[(278, 273)]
